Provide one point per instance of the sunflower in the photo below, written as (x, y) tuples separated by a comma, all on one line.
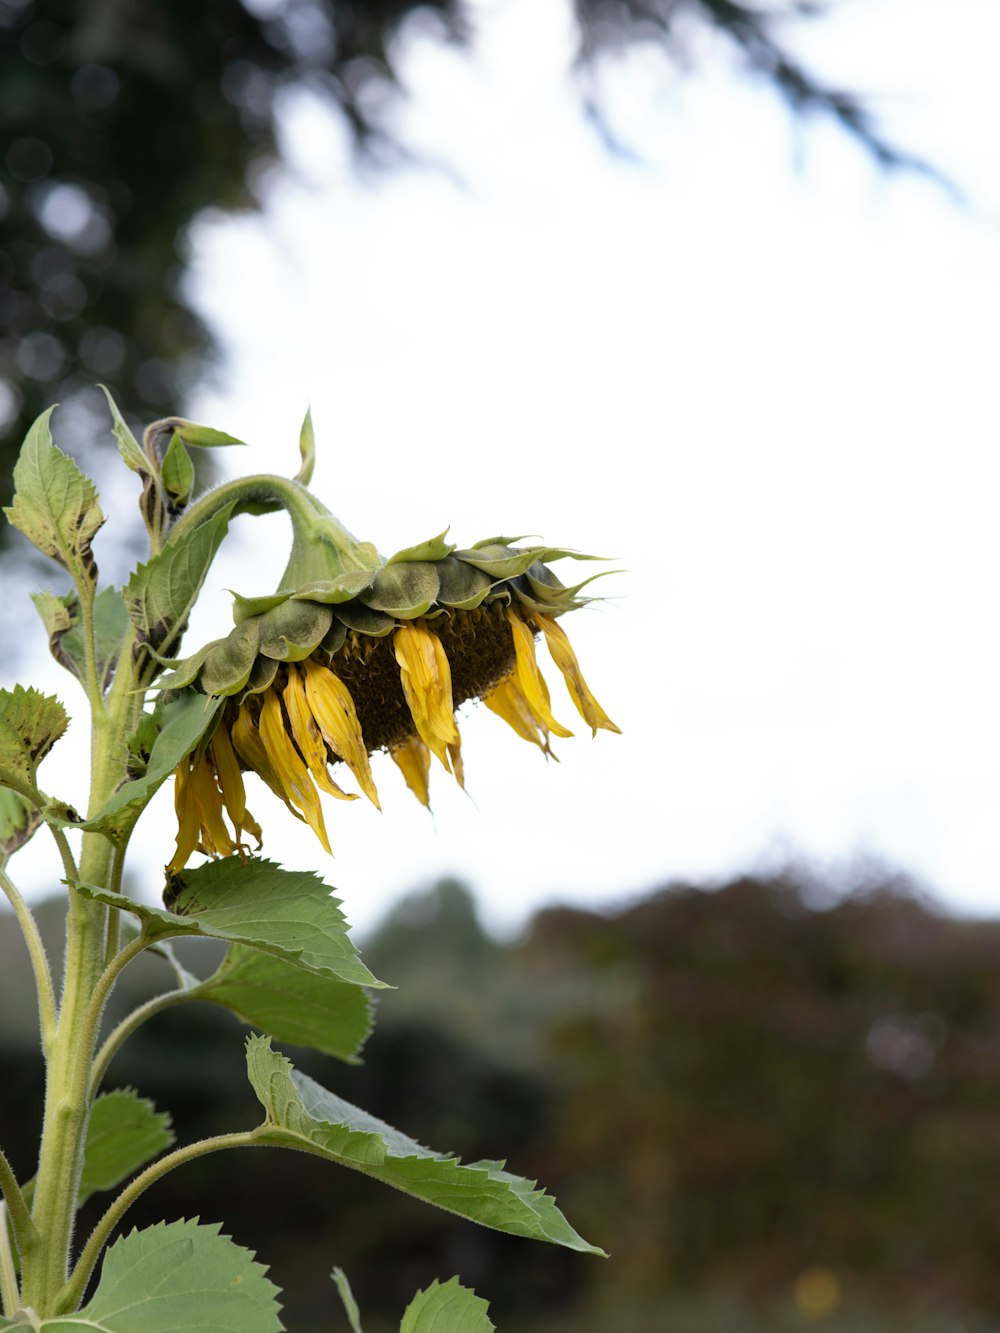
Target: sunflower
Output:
[(367, 659)]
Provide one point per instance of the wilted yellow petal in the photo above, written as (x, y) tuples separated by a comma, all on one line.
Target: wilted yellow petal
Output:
[(227, 769), (458, 767), (507, 701), (306, 734), (204, 794), (188, 824), (426, 679), (414, 761), (288, 767), (565, 659), (250, 748), (331, 705), (528, 676)]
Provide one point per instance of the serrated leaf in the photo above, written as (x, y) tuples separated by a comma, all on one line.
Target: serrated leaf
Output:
[(124, 1133), (293, 1005), (18, 821), (30, 724), (160, 594), (178, 1277), (177, 472), (302, 1114), (347, 1299), (447, 1308), (203, 436), (55, 503), (307, 451), (128, 445), (185, 721), (289, 914)]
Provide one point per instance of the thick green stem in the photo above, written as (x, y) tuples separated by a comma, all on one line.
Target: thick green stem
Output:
[(85, 987), (71, 1294)]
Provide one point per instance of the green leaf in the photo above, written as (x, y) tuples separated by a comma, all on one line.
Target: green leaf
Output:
[(289, 914), (61, 618), (404, 591), (448, 1308), (347, 1297), (18, 821), (301, 1114), (307, 451), (128, 445), (160, 594), (202, 436), (435, 548), (55, 504), (186, 718), (177, 472), (30, 724), (178, 1277), (124, 1133), (331, 1016)]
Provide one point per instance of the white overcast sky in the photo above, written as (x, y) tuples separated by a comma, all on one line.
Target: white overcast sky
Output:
[(740, 361)]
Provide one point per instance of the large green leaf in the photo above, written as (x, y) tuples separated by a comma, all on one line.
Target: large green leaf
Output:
[(447, 1308), (55, 504), (185, 720), (30, 724), (160, 594), (124, 1133), (293, 1005), (18, 821), (289, 914), (177, 1277), (301, 1114)]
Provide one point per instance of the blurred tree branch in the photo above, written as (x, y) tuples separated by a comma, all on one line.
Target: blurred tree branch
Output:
[(121, 119)]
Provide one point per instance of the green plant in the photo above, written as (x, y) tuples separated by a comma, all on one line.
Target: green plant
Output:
[(351, 654)]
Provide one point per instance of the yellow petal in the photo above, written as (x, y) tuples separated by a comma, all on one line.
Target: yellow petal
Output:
[(188, 825), (528, 676), (565, 659), (331, 705), (288, 767), (306, 734), (507, 701), (426, 679), (207, 800), (250, 748), (455, 755), (414, 761), (227, 769)]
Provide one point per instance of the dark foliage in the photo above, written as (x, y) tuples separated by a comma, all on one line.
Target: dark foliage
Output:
[(119, 122), (726, 1090)]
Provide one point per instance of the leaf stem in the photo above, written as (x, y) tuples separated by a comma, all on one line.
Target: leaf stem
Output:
[(119, 1035), (24, 1228), (39, 958), (72, 1293), (9, 1292)]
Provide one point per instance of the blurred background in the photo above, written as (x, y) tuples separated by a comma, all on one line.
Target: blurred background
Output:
[(704, 287)]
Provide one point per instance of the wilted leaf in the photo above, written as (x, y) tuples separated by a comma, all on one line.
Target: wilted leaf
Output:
[(30, 724), (18, 821)]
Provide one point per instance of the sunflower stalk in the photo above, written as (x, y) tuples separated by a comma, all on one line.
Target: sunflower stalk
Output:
[(351, 655)]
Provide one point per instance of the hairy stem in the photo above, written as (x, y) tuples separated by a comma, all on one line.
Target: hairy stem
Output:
[(39, 958), (119, 1035), (9, 1293), (71, 1294)]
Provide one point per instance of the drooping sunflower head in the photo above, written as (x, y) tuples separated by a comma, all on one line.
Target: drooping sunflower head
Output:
[(373, 656)]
